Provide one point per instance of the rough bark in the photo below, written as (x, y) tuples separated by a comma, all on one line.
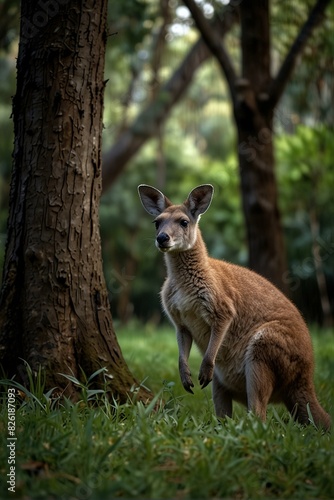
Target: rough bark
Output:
[(260, 199), (54, 307), (255, 147)]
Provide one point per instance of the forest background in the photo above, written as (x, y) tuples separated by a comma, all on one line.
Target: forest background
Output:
[(196, 143), (78, 437)]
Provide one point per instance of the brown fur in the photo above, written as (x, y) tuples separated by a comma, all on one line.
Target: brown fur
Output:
[(256, 347)]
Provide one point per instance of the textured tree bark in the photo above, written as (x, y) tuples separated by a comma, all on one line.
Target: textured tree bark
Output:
[(54, 308), (253, 117), (260, 199)]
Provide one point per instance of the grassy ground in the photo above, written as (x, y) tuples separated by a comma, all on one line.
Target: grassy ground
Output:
[(178, 451)]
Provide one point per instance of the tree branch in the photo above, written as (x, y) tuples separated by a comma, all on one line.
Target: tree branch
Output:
[(278, 85), (212, 37), (150, 119), (147, 123)]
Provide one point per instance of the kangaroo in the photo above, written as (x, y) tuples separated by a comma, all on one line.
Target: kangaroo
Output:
[(256, 347)]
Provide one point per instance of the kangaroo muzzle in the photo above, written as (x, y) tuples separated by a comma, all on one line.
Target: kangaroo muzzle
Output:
[(162, 241)]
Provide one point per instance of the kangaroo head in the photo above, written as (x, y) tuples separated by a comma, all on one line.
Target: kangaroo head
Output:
[(176, 225)]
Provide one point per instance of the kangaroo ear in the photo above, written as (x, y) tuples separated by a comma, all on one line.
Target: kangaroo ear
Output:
[(199, 199), (153, 200)]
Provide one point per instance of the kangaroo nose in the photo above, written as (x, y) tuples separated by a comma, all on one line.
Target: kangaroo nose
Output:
[(162, 238)]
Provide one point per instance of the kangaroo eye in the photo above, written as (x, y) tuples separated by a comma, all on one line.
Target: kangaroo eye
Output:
[(157, 223), (184, 223)]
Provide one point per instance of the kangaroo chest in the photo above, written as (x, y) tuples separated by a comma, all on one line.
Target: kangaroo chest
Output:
[(189, 305)]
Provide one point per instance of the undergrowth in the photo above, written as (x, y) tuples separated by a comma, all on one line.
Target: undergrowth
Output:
[(174, 448)]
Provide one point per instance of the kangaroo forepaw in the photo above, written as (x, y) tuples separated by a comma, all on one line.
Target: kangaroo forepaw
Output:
[(188, 384), (205, 373), (186, 380)]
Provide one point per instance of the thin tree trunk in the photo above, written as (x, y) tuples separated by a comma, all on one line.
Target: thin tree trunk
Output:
[(54, 308), (327, 319)]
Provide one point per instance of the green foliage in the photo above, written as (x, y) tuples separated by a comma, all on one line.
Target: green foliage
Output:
[(9, 23), (308, 94), (306, 180), (7, 83), (175, 449), (304, 162), (131, 20), (305, 165)]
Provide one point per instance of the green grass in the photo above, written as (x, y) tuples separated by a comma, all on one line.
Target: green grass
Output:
[(173, 451)]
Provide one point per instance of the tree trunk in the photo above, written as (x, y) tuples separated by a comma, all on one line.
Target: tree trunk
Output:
[(54, 308), (260, 200), (253, 117), (327, 317)]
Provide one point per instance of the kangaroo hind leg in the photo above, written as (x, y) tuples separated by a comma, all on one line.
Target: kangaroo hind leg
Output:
[(222, 398), (259, 387)]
